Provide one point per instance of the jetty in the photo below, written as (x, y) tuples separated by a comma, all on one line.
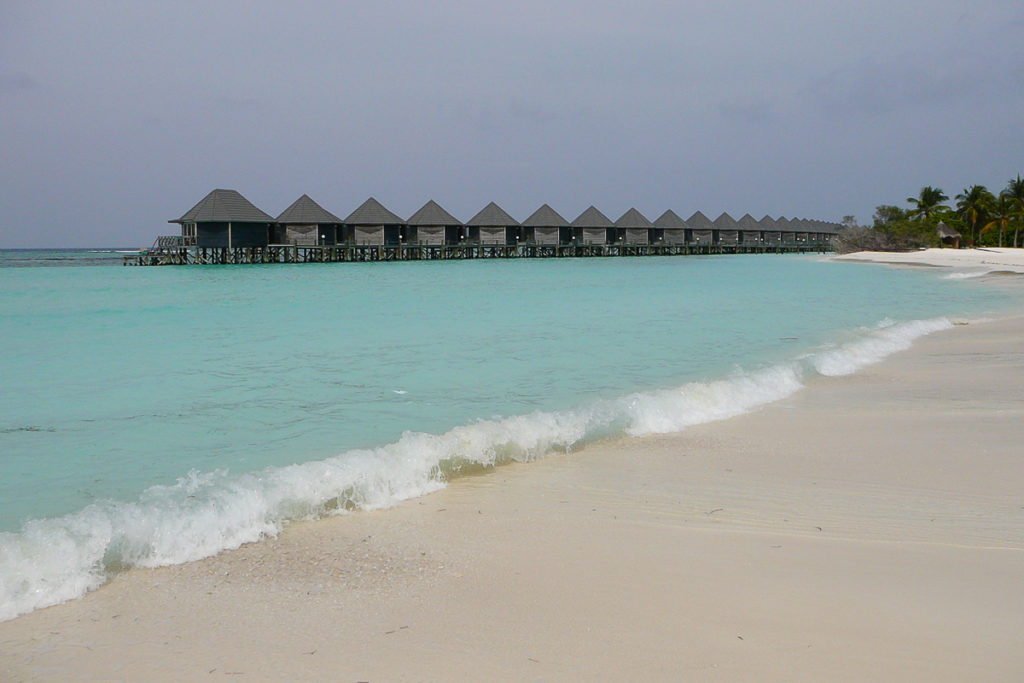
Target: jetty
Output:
[(226, 228)]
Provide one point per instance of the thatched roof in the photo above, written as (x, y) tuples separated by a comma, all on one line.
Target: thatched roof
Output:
[(748, 222), (633, 219), (592, 218), (669, 219), (431, 213), (372, 212), (725, 222), (492, 216), (699, 221), (304, 211), (768, 223), (946, 232), (545, 217), (224, 206)]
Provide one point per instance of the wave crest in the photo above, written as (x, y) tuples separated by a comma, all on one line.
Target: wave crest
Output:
[(53, 560)]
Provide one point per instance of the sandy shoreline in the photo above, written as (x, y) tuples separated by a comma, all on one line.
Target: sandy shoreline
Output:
[(986, 259), (870, 527)]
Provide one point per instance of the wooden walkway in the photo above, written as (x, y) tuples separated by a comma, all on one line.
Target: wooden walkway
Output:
[(282, 253)]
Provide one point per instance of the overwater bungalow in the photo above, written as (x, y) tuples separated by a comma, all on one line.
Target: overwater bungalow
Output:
[(672, 227), (785, 227), (546, 227), (306, 223), (492, 227), (225, 219), (225, 227), (373, 225), (592, 227), (701, 229), (728, 232), (433, 226), (801, 228), (770, 230), (750, 230), (634, 228)]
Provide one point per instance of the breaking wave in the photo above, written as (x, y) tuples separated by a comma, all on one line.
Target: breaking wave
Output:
[(53, 560)]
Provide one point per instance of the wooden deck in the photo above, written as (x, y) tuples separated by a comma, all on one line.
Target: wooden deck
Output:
[(169, 255)]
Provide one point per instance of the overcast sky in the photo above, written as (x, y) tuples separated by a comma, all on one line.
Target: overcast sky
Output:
[(115, 117)]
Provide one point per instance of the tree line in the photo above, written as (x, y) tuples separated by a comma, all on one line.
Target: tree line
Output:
[(982, 218)]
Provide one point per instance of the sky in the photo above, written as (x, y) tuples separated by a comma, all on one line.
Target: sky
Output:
[(116, 117)]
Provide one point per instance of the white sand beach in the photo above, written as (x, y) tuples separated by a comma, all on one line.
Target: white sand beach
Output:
[(986, 259), (871, 527)]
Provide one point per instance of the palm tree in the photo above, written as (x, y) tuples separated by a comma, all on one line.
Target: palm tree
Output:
[(927, 202), (972, 205), (1015, 191), (1002, 212)]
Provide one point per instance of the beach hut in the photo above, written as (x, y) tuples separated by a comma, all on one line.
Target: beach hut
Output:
[(750, 230), (224, 218), (546, 227), (770, 230), (672, 227), (948, 237), (701, 228), (634, 228), (433, 226), (593, 227), (373, 225), (306, 223), (492, 226), (728, 231)]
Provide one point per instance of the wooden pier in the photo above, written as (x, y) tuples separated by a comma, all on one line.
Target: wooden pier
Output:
[(166, 253)]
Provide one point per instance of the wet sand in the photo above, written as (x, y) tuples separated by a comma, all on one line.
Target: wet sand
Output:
[(870, 527)]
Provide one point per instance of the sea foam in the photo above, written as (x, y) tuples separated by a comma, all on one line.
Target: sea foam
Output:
[(53, 560)]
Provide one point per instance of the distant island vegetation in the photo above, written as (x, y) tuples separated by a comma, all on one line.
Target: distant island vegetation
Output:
[(981, 217)]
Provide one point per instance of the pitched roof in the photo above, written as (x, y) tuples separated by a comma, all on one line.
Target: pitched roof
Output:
[(782, 223), (633, 219), (431, 213), (304, 211), (492, 216), (545, 217), (725, 222), (372, 212), (945, 231), (669, 219), (748, 222), (767, 222), (592, 218), (699, 221), (222, 206)]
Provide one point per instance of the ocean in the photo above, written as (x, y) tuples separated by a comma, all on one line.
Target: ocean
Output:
[(152, 416)]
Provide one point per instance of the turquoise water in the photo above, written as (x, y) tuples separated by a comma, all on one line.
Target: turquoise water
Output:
[(157, 415)]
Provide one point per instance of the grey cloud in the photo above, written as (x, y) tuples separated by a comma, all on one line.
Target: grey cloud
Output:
[(748, 110), (874, 87), (17, 82)]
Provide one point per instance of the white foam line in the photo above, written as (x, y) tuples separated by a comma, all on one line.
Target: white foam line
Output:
[(53, 560)]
